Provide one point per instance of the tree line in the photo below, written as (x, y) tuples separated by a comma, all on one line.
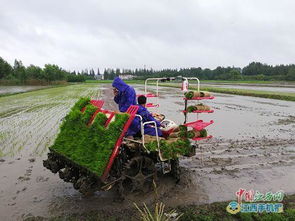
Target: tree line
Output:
[(50, 73), (253, 71)]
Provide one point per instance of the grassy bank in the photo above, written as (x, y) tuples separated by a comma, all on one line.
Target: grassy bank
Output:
[(249, 82), (253, 93)]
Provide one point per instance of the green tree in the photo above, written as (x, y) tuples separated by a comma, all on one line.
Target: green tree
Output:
[(19, 71), (118, 72), (291, 74), (234, 75), (5, 69), (105, 74), (34, 72), (53, 73)]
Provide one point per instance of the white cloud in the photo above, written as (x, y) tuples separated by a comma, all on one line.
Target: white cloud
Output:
[(156, 33)]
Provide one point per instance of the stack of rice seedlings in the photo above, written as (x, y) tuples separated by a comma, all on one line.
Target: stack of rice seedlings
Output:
[(89, 146), (177, 144), (200, 107), (194, 94)]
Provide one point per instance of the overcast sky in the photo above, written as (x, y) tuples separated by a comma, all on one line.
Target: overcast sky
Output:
[(155, 33)]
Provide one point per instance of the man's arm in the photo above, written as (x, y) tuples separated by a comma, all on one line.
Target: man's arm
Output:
[(130, 97), (117, 98), (148, 117), (153, 119)]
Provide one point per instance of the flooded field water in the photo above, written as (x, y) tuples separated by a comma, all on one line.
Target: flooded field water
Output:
[(253, 147), (19, 89)]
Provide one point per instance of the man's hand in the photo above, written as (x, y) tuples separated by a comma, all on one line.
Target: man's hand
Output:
[(155, 115), (158, 117)]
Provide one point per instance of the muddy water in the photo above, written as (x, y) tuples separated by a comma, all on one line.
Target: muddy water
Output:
[(29, 123), (253, 147), (236, 117), (18, 89)]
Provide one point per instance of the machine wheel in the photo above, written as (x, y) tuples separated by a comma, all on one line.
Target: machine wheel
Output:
[(175, 170), (85, 186), (46, 164), (53, 163), (138, 175), (68, 174)]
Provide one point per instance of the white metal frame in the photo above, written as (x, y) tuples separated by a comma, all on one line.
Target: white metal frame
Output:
[(142, 130), (157, 87), (152, 79), (193, 78)]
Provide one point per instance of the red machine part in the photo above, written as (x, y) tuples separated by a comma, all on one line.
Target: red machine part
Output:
[(97, 103), (199, 98), (152, 105), (167, 133), (199, 124), (132, 110), (199, 111)]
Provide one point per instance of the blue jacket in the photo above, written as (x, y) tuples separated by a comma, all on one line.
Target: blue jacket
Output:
[(148, 128), (126, 96)]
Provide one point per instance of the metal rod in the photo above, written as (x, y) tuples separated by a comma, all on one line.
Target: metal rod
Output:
[(157, 87), (194, 78)]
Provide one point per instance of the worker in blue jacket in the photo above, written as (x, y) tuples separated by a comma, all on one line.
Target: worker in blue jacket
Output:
[(125, 95), (146, 116)]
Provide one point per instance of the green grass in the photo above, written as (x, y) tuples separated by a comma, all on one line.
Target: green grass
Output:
[(248, 82), (171, 150), (99, 81), (253, 93)]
